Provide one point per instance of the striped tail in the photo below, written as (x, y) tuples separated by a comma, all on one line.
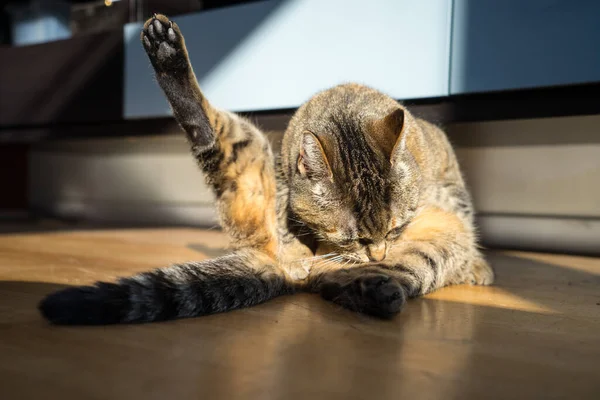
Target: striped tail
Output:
[(241, 279)]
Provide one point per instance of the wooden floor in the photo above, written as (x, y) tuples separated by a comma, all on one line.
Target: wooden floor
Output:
[(536, 334)]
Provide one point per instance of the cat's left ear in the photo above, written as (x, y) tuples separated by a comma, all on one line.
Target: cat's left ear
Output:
[(396, 124), (392, 133)]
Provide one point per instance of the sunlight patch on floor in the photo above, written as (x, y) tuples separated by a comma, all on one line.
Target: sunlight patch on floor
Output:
[(489, 296), (590, 265)]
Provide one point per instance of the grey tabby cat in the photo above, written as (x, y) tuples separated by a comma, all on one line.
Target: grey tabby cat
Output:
[(367, 208)]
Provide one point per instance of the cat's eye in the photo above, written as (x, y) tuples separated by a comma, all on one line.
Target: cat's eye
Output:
[(394, 233), (365, 242)]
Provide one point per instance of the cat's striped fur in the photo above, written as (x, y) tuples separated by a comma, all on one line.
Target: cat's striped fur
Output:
[(367, 207)]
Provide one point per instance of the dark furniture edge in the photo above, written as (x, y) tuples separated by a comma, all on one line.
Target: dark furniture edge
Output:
[(559, 101)]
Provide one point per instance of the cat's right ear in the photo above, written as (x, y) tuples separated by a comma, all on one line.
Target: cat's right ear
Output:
[(312, 161)]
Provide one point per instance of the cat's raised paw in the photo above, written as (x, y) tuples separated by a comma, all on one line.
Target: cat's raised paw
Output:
[(163, 43)]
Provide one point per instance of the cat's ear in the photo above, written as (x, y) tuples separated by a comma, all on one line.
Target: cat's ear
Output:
[(390, 132), (312, 161), (395, 123)]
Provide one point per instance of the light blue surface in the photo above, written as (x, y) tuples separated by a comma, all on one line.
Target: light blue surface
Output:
[(509, 44), (277, 54), (39, 22)]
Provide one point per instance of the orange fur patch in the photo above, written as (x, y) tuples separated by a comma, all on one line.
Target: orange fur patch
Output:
[(251, 210), (430, 223)]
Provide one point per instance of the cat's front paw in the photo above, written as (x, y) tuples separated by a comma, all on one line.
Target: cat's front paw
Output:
[(298, 270), (383, 296), (371, 293), (163, 43)]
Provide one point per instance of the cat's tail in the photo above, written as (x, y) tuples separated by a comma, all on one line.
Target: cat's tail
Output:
[(241, 279)]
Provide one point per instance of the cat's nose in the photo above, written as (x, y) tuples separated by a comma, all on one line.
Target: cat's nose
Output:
[(376, 251)]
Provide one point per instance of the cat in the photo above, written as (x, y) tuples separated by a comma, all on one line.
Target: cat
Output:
[(366, 206)]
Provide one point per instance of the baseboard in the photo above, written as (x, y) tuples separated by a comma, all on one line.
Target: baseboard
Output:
[(201, 215), (552, 234)]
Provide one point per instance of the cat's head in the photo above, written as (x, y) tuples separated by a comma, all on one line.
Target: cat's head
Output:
[(353, 181)]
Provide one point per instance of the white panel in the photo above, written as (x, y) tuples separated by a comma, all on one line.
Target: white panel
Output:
[(145, 180), (573, 235), (560, 180), (541, 167), (276, 54), (510, 44)]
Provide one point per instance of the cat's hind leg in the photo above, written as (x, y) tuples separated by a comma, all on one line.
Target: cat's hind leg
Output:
[(238, 165), (241, 279), (233, 153), (478, 272)]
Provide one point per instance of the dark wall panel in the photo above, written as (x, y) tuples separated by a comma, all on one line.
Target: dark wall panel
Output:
[(13, 177), (67, 81)]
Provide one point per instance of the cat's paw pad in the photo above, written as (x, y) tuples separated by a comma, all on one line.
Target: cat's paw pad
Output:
[(382, 295), (163, 42)]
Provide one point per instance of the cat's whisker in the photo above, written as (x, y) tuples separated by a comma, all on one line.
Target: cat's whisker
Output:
[(331, 261), (353, 262), (332, 254), (302, 234), (315, 258), (296, 220), (352, 257), (322, 263), (328, 260)]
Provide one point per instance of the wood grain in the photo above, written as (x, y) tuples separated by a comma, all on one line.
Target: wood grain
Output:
[(535, 334)]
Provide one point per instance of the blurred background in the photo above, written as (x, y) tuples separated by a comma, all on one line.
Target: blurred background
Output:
[(87, 138)]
